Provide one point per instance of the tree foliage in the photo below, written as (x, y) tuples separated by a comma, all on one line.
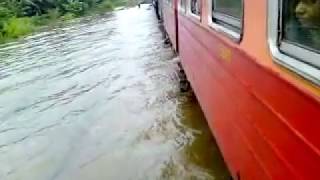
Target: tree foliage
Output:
[(23, 8), (14, 13)]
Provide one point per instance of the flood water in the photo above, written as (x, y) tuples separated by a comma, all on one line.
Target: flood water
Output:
[(99, 99)]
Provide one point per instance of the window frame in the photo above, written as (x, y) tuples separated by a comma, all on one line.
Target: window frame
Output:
[(296, 58), (225, 21), (198, 17)]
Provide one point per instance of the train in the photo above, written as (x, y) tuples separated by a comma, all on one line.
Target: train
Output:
[(254, 66)]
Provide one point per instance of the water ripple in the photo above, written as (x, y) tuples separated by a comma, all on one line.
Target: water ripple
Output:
[(93, 98)]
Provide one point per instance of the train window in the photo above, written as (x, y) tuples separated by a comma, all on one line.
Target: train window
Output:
[(227, 14), (301, 25), (294, 36), (182, 6), (195, 7), (169, 2), (231, 8)]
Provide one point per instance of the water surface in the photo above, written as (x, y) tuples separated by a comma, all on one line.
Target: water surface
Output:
[(99, 99)]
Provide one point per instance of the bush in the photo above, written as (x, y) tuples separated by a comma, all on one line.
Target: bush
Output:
[(106, 5), (75, 7), (68, 16), (5, 12), (40, 20), (118, 2), (36, 7), (51, 16), (16, 27)]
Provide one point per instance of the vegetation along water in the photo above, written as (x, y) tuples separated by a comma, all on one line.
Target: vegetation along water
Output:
[(22, 17)]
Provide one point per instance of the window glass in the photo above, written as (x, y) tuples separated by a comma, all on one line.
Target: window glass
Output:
[(229, 7), (183, 4), (195, 7), (301, 23), (169, 2)]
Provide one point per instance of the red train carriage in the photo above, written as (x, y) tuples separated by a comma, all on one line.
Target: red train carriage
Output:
[(254, 66)]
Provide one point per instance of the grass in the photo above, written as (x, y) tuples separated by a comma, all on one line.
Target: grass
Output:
[(16, 27)]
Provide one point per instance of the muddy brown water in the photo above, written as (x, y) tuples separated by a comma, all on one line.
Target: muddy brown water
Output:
[(99, 99)]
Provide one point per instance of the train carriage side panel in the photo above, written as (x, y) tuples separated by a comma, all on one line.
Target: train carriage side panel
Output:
[(169, 21), (266, 125)]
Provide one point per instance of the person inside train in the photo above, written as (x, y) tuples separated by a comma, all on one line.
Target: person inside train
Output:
[(303, 23), (195, 7)]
